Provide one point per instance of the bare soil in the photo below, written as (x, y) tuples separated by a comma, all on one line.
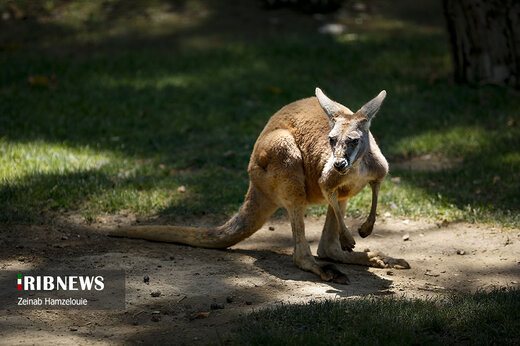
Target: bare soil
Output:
[(252, 275)]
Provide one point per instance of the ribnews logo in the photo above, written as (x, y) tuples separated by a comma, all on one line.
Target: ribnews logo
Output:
[(64, 283), (57, 289)]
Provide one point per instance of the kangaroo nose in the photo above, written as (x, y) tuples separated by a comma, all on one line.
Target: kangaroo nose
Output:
[(340, 164)]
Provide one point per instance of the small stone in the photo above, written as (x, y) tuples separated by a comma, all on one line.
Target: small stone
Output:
[(146, 279), (229, 153), (229, 299), (216, 306), (64, 237), (248, 302), (406, 237), (156, 294), (390, 273), (332, 29), (461, 252), (73, 329), (156, 318), (271, 228)]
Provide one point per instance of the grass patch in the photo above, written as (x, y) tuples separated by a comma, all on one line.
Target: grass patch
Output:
[(469, 319), (127, 101)]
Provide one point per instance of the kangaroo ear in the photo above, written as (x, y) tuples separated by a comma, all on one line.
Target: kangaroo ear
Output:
[(330, 107), (372, 107)]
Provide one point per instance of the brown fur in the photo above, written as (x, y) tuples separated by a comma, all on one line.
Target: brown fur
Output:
[(294, 164)]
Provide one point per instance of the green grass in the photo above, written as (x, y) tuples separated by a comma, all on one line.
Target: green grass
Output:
[(467, 319), (140, 98)]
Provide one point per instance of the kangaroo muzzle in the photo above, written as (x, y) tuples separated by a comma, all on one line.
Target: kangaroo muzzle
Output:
[(341, 165)]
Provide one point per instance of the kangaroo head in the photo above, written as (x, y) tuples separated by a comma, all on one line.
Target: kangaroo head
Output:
[(349, 136)]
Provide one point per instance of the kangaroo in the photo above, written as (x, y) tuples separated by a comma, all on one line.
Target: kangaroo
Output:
[(312, 151)]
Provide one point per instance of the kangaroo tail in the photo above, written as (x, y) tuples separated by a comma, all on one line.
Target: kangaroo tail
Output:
[(253, 213)]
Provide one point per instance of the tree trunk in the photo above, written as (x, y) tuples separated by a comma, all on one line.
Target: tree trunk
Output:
[(485, 40)]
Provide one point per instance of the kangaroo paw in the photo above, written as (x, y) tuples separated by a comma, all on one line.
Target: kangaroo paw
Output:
[(366, 229), (332, 273), (379, 260)]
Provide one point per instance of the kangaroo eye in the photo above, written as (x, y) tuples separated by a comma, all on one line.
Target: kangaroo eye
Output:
[(354, 142), (332, 141)]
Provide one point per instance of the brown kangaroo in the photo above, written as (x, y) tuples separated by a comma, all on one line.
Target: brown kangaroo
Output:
[(312, 151)]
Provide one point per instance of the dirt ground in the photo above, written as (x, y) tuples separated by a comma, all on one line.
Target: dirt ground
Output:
[(252, 275)]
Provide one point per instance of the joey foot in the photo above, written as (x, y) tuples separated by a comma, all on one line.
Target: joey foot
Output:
[(366, 229), (330, 272)]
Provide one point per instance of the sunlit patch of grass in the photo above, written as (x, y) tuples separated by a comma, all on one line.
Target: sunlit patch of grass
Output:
[(452, 141), (18, 161)]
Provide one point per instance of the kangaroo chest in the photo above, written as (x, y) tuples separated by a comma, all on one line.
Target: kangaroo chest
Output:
[(347, 185)]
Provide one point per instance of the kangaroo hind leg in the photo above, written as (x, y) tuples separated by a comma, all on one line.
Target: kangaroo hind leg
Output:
[(302, 256)]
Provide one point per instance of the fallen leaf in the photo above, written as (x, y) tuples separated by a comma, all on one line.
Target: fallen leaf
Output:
[(274, 90), (201, 315), (38, 81)]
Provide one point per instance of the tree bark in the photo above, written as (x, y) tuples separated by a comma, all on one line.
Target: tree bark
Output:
[(485, 40)]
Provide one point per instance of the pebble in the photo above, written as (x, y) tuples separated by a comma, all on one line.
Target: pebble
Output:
[(271, 228), (216, 306), (406, 237), (461, 252), (156, 294), (156, 318), (146, 279)]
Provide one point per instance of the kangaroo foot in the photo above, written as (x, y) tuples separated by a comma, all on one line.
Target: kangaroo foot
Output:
[(379, 260), (371, 259)]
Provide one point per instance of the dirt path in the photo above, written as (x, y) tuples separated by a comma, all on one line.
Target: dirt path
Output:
[(252, 275)]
